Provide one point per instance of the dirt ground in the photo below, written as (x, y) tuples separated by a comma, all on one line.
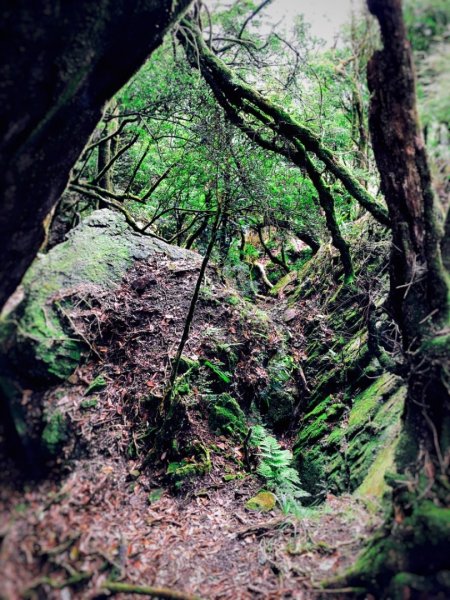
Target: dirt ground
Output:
[(99, 524)]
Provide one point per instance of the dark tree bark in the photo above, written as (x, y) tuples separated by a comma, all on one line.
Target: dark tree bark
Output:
[(411, 553), (60, 63), (419, 289)]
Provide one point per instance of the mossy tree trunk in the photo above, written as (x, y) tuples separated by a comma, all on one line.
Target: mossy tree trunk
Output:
[(413, 551), (60, 63)]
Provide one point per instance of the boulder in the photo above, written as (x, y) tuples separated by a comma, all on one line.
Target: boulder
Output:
[(39, 335)]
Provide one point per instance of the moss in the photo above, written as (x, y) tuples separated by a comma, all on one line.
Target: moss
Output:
[(55, 433), (345, 454), (311, 466), (155, 495), (97, 384), (89, 403), (222, 376), (227, 417), (233, 476), (319, 419), (374, 484), (314, 431), (187, 365), (336, 436), (404, 585), (283, 283), (278, 399), (233, 300), (262, 502), (413, 554), (198, 463), (368, 402)]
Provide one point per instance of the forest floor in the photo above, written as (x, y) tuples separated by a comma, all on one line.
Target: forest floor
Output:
[(66, 539), (99, 519)]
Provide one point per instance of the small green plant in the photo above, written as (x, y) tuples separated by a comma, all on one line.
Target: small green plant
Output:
[(276, 468), (224, 376)]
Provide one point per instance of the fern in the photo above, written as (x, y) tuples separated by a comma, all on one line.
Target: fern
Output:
[(276, 468)]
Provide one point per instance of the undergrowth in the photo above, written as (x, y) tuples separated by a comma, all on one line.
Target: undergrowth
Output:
[(275, 466)]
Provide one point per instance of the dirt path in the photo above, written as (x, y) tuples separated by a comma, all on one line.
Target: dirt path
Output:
[(100, 524)]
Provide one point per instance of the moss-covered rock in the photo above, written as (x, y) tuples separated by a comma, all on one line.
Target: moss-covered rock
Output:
[(278, 399), (226, 417), (40, 334), (409, 561), (198, 463), (45, 328), (349, 445), (262, 502), (55, 433)]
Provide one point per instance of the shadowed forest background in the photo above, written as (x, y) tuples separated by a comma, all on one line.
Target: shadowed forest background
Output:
[(225, 335)]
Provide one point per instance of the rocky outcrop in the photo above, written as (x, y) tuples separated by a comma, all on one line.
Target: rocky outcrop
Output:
[(40, 335), (46, 332)]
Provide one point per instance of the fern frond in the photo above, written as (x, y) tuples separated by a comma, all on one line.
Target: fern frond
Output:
[(276, 468)]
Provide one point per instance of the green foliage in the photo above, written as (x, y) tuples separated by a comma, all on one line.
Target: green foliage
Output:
[(224, 376), (276, 468), (227, 417), (426, 22), (55, 433)]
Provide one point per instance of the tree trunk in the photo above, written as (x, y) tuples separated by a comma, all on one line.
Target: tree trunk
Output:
[(409, 555), (60, 63)]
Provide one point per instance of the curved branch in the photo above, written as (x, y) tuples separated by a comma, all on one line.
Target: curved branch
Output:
[(243, 98)]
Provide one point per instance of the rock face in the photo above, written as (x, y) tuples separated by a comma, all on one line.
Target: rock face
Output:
[(350, 421), (40, 335)]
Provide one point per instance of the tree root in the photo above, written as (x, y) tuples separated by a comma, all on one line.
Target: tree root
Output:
[(55, 584), (117, 587)]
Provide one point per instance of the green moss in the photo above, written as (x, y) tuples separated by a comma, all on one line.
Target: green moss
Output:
[(336, 436), (233, 300), (278, 399), (283, 283), (319, 420), (346, 454), (314, 431), (262, 502), (369, 401), (221, 375), (155, 495), (374, 484), (226, 417), (55, 433), (311, 467), (89, 403), (414, 554), (233, 476), (198, 463), (97, 384)]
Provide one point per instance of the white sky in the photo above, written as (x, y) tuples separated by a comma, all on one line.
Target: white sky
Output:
[(325, 16)]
